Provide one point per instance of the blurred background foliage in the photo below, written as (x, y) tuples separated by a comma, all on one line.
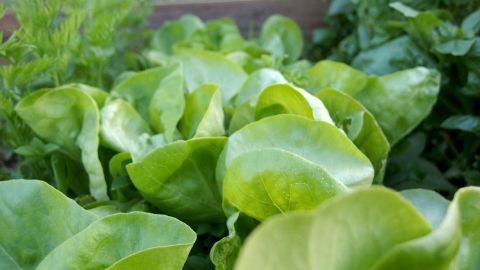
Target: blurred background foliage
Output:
[(382, 36)]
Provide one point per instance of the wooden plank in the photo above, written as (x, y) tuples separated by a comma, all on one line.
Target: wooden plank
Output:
[(7, 24), (307, 13)]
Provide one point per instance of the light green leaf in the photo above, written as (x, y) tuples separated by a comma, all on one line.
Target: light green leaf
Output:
[(179, 179), (285, 31), (116, 167), (148, 241), (275, 46), (35, 218), (360, 126), (69, 118), (225, 35), (203, 116), (167, 104), (330, 74), (272, 181), (173, 32), (296, 72), (430, 204), (243, 115), (468, 200), (363, 225), (318, 142), (288, 99), (249, 62), (225, 251), (281, 243), (201, 67), (123, 129), (255, 84), (140, 90), (122, 77), (97, 94)]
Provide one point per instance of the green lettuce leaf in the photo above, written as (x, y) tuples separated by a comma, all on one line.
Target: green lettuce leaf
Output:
[(201, 67), (179, 179), (173, 32), (97, 94), (330, 74), (148, 240), (360, 126), (272, 181), (225, 251), (167, 104), (430, 204), (157, 94), (313, 155), (469, 207), (27, 236), (225, 35), (288, 99), (203, 116), (124, 130), (282, 37), (243, 115), (256, 83), (279, 99), (70, 119)]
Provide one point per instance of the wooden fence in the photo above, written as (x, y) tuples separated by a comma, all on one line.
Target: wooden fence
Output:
[(307, 13)]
